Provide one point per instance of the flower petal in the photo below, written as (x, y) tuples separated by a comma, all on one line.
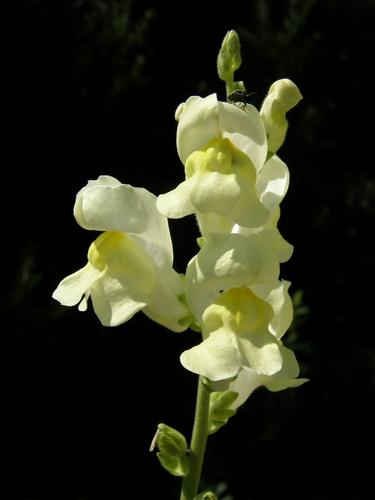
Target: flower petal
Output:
[(203, 119), (240, 313), (70, 290), (212, 223), (286, 377), (245, 384), (127, 280), (249, 211), (165, 307), (261, 353), (107, 205), (214, 192), (272, 182), (215, 358), (245, 129), (112, 302), (271, 236), (176, 203), (198, 124), (223, 262), (276, 294), (282, 306), (281, 248)]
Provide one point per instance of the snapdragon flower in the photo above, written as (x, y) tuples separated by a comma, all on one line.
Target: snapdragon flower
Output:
[(222, 148), (238, 341), (129, 265)]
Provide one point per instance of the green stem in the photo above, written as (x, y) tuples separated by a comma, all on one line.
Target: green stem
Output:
[(229, 86), (190, 482)]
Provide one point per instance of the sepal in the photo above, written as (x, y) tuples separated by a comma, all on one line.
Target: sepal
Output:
[(220, 411), (173, 450)]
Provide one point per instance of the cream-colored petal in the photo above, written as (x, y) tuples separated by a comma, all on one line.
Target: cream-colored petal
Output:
[(70, 290), (224, 261), (112, 206), (245, 384), (249, 211), (198, 124), (215, 358), (282, 306), (202, 119), (286, 377), (281, 248), (214, 192), (276, 294), (246, 316), (245, 129), (128, 277), (176, 203), (261, 353), (112, 301), (272, 182), (212, 223), (166, 305)]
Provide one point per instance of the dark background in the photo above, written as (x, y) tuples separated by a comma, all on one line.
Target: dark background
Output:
[(91, 87)]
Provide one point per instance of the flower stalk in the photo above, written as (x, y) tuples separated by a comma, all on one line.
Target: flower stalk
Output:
[(190, 483)]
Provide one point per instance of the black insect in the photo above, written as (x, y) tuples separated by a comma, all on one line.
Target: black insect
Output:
[(239, 96)]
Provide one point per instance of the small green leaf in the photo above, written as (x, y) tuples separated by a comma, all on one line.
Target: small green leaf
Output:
[(220, 411)]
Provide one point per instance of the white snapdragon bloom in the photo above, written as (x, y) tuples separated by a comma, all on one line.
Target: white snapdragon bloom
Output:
[(237, 339), (222, 147), (129, 265), (248, 379)]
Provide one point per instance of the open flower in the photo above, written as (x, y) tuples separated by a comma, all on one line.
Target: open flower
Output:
[(248, 378), (236, 338), (220, 179), (129, 265), (222, 148)]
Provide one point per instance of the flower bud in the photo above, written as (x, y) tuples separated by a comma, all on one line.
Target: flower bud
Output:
[(229, 58), (173, 454), (282, 96)]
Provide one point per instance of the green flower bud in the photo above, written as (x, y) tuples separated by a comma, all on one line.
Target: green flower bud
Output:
[(229, 58), (173, 450), (220, 410)]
